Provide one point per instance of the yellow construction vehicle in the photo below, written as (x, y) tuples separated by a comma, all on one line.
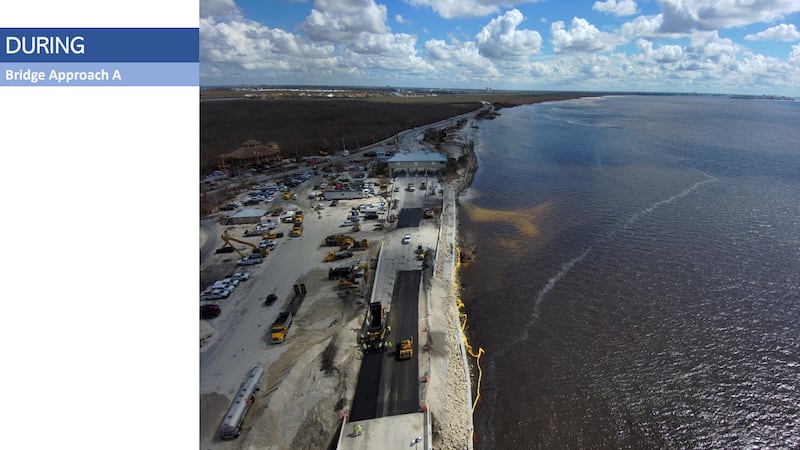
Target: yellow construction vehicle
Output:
[(344, 283), (335, 255), (227, 238), (273, 235), (405, 349), (375, 329)]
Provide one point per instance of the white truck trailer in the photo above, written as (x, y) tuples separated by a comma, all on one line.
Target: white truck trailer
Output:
[(232, 424)]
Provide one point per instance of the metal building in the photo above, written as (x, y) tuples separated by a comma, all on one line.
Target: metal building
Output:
[(416, 163)]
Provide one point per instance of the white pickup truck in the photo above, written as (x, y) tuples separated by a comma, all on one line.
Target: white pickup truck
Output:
[(250, 259)]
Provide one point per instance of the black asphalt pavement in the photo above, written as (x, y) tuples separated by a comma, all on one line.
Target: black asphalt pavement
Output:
[(399, 389), (409, 217), (387, 386)]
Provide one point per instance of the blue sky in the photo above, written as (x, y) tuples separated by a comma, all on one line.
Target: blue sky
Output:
[(711, 46)]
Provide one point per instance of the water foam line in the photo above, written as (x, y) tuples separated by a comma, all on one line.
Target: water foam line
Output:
[(566, 267)]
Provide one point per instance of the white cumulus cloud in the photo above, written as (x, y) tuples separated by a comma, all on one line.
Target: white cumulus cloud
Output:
[(461, 59), (582, 37), (643, 26), (794, 55), (344, 20), (663, 54), (219, 8), (501, 39), (783, 32), (685, 16), (450, 9), (616, 7), (249, 44)]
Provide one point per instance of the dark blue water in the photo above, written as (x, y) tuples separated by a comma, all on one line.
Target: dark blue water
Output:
[(637, 282)]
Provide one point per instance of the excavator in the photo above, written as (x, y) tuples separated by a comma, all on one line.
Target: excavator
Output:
[(227, 238)]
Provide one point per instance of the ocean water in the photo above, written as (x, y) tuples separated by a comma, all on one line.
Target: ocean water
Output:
[(637, 281)]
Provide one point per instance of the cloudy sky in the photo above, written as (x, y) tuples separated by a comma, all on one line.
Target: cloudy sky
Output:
[(711, 46)]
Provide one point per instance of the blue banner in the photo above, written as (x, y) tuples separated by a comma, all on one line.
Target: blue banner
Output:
[(99, 57), (99, 74), (81, 45)]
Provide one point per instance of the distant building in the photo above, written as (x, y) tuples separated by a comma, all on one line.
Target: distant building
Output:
[(416, 162), (248, 215), (251, 154)]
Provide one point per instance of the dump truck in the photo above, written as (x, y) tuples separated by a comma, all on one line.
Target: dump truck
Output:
[(280, 327), (373, 337), (297, 230), (405, 349)]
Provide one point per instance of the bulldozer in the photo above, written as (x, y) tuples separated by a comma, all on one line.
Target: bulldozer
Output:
[(334, 255), (405, 349), (346, 283), (346, 242)]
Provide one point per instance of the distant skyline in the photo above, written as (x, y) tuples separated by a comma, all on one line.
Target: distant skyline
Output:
[(704, 46)]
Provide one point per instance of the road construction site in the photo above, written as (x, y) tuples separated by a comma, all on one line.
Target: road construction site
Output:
[(331, 381)]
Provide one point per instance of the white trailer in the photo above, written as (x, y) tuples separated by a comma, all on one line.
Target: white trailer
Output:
[(345, 195), (231, 426)]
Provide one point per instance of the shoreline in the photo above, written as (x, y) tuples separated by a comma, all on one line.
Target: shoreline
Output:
[(457, 192)]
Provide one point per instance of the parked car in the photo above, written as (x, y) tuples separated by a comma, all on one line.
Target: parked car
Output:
[(224, 284), (241, 276), (268, 243), (334, 202), (407, 239), (210, 311), (347, 223), (230, 281), (250, 259), (216, 294)]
